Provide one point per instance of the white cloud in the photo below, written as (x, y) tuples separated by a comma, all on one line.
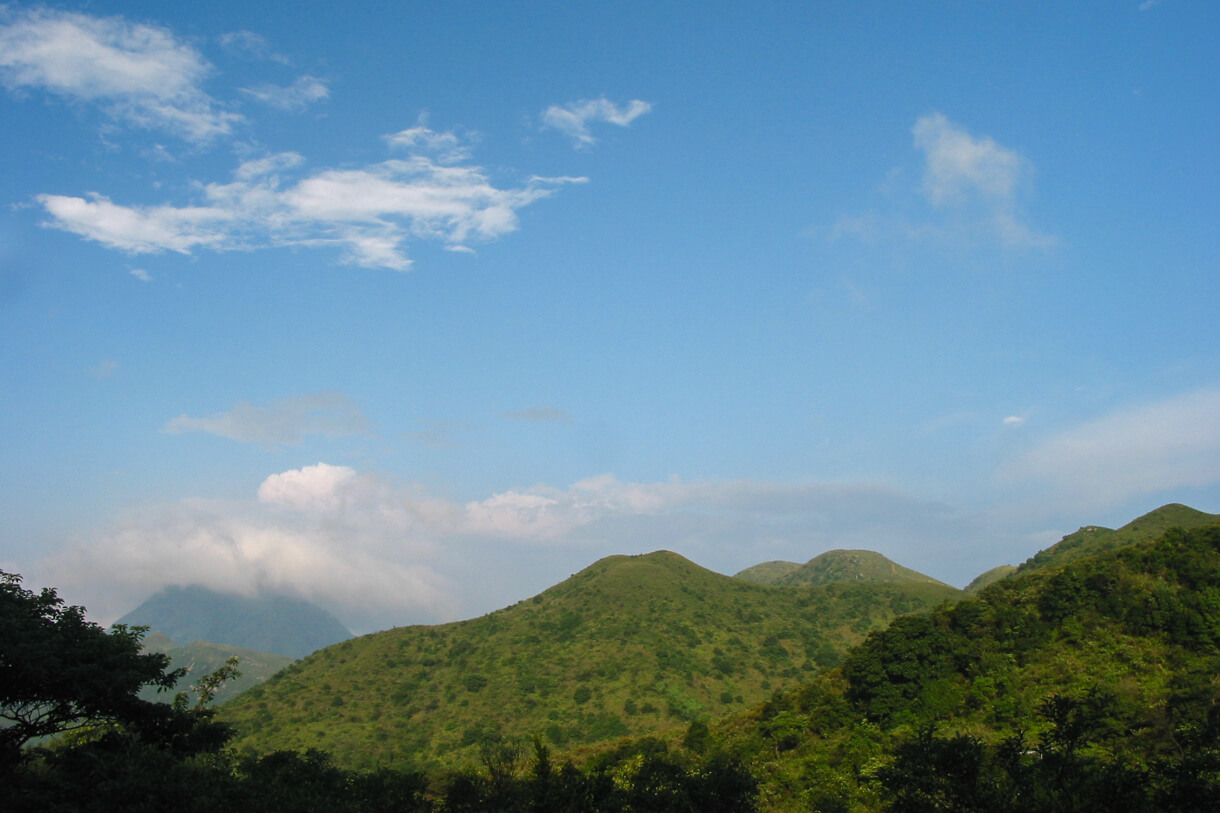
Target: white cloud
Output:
[(959, 165), (1014, 420), (138, 74), (307, 488), (140, 230), (574, 118), (296, 97), (285, 422), (238, 548), (973, 187), (1134, 452), (369, 211), (141, 275), (961, 170), (251, 46)]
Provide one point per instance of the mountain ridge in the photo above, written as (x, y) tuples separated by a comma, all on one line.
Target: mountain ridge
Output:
[(269, 623), (628, 645)]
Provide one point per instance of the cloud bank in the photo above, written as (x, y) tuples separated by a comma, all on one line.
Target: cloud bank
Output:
[(379, 552)]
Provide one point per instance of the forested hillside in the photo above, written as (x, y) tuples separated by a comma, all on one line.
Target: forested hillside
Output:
[(1088, 687), (1092, 539), (630, 645)]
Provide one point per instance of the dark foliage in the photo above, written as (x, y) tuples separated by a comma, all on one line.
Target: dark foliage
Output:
[(60, 672)]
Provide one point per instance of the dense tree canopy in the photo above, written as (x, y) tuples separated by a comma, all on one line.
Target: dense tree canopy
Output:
[(59, 671)]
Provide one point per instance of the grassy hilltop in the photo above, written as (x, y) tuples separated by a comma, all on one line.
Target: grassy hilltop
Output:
[(630, 645), (834, 566)]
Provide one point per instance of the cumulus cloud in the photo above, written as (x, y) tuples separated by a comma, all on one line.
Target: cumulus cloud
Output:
[(368, 211), (540, 414), (285, 422), (295, 97), (308, 488), (972, 186), (380, 552), (138, 74), (573, 119), (1145, 450)]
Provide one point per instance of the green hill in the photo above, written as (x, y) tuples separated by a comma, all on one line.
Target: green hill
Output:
[(990, 577), (201, 658), (862, 566), (767, 572), (630, 645), (859, 566), (1092, 540), (266, 623), (1089, 686)]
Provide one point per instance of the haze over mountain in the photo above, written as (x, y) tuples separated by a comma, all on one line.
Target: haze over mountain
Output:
[(277, 624)]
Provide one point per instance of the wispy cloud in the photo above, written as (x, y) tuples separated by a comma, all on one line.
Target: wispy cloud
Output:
[(250, 45), (369, 211), (105, 369), (138, 74), (1133, 452), (285, 422), (962, 170), (306, 90), (573, 119), (539, 414), (971, 186)]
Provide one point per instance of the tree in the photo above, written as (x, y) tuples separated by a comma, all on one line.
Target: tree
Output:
[(60, 672)]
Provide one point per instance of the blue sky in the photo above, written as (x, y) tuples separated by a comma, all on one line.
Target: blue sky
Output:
[(414, 310)]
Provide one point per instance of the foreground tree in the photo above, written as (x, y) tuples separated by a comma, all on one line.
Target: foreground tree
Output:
[(60, 672)]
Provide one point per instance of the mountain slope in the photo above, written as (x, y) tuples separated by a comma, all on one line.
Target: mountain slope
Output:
[(852, 566), (273, 624), (990, 577), (201, 658), (1092, 539), (834, 566), (1096, 680), (631, 644), (767, 572)]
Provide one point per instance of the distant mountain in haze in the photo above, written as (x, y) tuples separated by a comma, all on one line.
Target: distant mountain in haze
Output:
[(834, 566), (268, 623)]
